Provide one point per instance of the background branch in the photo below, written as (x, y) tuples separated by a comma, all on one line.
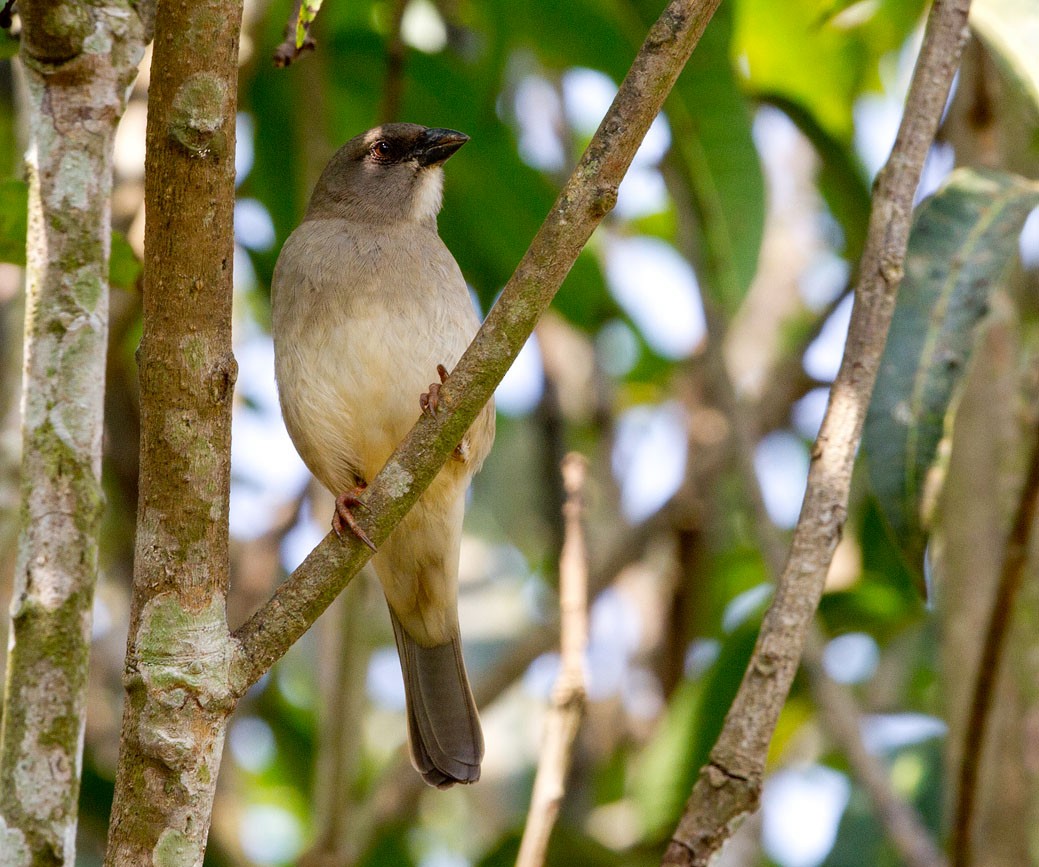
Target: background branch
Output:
[(729, 786), (587, 197), (1003, 608), (837, 706), (568, 695)]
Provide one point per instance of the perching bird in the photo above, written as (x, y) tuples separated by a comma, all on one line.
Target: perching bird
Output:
[(368, 305)]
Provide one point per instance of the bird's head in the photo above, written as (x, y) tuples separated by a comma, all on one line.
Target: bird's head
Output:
[(391, 173)]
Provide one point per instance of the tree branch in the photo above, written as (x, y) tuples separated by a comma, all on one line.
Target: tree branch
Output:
[(729, 786), (588, 196), (76, 89), (1003, 607), (178, 645), (568, 696)]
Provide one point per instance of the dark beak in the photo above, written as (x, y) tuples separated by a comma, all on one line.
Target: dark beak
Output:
[(436, 145)]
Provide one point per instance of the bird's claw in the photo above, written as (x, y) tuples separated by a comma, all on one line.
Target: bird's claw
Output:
[(343, 517), (430, 400)]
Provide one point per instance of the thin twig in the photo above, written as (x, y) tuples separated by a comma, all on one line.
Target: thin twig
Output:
[(340, 746), (1010, 579), (841, 719), (587, 197), (837, 706), (288, 50), (729, 786), (568, 697)]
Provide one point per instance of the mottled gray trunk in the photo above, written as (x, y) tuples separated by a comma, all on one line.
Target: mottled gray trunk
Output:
[(79, 60)]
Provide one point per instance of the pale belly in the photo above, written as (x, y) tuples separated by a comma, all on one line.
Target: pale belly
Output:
[(353, 352)]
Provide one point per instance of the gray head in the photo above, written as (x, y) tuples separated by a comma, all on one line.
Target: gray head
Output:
[(389, 174)]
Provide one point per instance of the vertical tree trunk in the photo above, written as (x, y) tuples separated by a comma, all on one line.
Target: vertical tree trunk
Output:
[(178, 648), (79, 61)]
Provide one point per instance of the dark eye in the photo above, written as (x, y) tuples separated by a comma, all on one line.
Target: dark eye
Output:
[(381, 150)]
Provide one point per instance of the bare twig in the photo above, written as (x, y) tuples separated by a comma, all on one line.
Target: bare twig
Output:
[(1003, 607), (837, 706), (288, 50), (340, 731), (568, 697), (587, 197), (840, 718), (729, 786)]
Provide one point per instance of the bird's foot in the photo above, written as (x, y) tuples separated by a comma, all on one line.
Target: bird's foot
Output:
[(343, 517), (430, 400)]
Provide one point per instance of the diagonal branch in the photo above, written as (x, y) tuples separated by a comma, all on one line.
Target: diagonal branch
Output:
[(588, 196), (729, 786), (836, 703)]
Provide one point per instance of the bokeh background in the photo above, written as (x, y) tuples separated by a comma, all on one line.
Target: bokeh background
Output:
[(746, 208)]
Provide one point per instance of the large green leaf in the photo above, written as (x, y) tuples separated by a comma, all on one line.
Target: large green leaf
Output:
[(123, 268), (14, 199), (962, 241), (818, 55)]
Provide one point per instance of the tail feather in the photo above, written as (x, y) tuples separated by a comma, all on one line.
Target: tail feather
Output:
[(443, 725)]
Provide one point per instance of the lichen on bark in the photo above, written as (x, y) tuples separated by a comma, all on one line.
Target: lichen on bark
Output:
[(79, 60)]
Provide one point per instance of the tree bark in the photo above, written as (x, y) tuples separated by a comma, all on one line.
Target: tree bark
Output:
[(178, 647), (729, 785), (79, 61)]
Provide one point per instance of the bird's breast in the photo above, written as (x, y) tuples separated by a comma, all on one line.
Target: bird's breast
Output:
[(360, 322)]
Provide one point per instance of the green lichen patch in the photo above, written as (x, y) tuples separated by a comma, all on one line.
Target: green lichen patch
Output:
[(77, 174), (198, 114), (179, 649), (13, 846), (174, 849), (87, 286)]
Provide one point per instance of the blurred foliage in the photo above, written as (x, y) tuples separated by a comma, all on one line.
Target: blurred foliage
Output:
[(724, 184)]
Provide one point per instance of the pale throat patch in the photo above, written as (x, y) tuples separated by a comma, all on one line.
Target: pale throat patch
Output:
[(429, 195)]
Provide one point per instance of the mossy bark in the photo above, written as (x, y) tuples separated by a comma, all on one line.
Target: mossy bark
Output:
[(79, 60), (178, 648)]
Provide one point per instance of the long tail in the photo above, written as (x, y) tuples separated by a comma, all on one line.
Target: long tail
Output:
[(443, 725)]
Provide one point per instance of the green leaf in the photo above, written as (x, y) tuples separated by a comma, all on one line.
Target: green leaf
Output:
[(14, 204), (1010, 31), (123, 265), (962, 241), (123, 268), (802, 51), (307, 13), (670, 763)]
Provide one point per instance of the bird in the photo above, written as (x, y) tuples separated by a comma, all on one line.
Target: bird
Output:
[(367, 306)]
